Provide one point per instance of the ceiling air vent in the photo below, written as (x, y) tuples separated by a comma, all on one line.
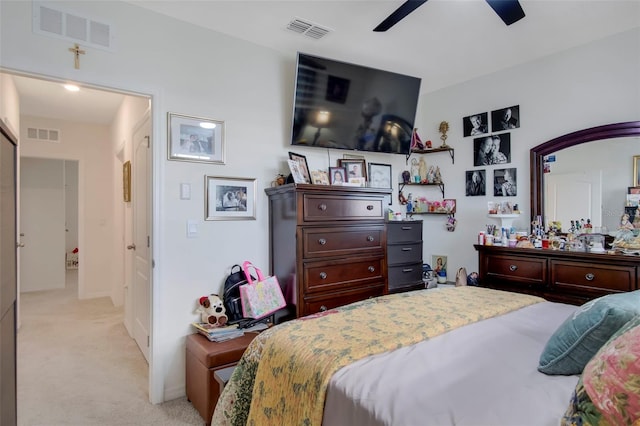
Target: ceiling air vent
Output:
[(308, 28), (46, 135), (52, 21)]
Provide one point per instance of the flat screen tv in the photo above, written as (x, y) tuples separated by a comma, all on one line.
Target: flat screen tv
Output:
[(346, 106)]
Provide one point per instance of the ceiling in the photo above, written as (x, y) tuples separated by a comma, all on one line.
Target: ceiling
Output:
[(443, 41)]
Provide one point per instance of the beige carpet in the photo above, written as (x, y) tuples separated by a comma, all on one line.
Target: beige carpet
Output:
[(77, 365)]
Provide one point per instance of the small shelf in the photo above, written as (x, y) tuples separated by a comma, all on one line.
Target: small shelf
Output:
[(439, 185), (431, 151), (506, 220)]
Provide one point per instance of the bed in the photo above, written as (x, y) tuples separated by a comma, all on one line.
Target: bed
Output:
[(452, 356)]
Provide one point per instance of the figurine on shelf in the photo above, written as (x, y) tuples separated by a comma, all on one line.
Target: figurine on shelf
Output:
[(444, 128), (406, 176), (402, 199), (422, 168), (416, 142), (410, 203), (415, 170), (625, 223), (431, 174), (437, 178)]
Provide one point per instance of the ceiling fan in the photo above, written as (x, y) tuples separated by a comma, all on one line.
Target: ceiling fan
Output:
[(509, 11)]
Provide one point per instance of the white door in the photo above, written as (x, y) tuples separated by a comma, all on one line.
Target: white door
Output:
[(141, 248), (42, 224), (573, 196)]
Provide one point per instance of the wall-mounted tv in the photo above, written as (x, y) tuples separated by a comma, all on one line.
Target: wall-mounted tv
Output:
[(345, 106)]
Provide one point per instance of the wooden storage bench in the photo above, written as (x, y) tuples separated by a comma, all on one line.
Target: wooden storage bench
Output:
[(203, 359)]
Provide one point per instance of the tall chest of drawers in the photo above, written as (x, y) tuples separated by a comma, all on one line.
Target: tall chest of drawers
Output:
[(327, 244), (404, 255)]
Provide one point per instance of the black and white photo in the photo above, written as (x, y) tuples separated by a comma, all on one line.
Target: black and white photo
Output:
[(492, 149), (476, 124), (476, 183), (505, 118), (505, 183)]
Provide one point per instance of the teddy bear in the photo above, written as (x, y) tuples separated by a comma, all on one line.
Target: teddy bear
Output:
[(212, 310)]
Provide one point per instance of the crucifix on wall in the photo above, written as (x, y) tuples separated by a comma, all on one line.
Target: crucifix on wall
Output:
[(76, 53)]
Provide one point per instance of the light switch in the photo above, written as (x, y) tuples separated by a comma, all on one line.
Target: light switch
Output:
[(192, 229), (185, 191)]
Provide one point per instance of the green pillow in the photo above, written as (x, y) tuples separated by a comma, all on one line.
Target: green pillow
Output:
[(582, 334)]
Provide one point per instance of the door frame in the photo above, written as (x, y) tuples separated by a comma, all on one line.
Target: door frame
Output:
[(156, 372)]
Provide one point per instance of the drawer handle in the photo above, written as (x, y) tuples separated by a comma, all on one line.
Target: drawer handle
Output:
[(406, 228), (513, 268), (590, 277), (322, 207), (322, 241), (370, 238), (369, 207), (407, 270), (406, 249), (323, 275), (323, 308), (371, 269)]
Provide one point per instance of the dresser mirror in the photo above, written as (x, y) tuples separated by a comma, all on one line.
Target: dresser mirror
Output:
[(619, 140)]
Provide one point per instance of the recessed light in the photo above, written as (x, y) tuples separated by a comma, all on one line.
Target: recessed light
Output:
[(72, 87)]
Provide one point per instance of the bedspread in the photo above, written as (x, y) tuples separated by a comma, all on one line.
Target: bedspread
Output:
[(283, 376)]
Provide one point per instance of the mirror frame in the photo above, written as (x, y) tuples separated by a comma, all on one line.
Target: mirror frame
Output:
[(537, 154)]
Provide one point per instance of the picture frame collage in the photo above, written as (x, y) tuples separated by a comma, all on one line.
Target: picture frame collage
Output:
[(351, 170), (491, 147)]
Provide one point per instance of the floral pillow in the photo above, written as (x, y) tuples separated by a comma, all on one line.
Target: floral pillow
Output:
[(608, 392)]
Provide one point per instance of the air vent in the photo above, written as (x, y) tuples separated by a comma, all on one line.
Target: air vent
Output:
[(307, 28), (46, 135), (71, 26)]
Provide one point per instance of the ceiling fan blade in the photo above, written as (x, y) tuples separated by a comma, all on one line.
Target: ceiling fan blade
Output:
[(509, 11), (405, 9)]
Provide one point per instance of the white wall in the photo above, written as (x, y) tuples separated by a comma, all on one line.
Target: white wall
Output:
[(89, 145), (189, 70)]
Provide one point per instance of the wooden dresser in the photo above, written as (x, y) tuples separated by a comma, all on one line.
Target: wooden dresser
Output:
[(404, 255), (560, 276), (327, 244)]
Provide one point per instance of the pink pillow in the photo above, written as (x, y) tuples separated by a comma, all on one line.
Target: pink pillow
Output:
[(612, 377)]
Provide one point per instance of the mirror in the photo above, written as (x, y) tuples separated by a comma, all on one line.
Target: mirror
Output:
[(538, 154)]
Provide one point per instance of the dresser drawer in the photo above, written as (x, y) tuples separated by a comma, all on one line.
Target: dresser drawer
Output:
[(318, 207), (400, 232), (401, 276), (516, 270), (404, 253), (323, 302), (342, 241), (598, 279), (342, 274)]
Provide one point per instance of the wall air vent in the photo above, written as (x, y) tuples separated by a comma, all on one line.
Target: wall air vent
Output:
[(45, 135), (50, 20), (307, 28)]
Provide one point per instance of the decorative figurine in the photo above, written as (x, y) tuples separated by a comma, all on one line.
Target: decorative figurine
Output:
[(438, 177), (415, 170), (444, 128), (422, 167)]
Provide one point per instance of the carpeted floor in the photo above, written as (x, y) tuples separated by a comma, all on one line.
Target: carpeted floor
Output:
[(77, 365)]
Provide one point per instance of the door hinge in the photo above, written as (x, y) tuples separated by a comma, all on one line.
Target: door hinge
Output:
[(148, 340), (148, 141), (148, 241)]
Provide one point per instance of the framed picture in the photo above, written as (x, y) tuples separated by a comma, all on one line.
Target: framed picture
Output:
[(449, 205), (355, 168), (493, 149), (319, 177), (505, 118), (357, 181), (475, 183), (636, 170), (504, 183), (229, 198), (634, 190), (302, 165), (337, 175), (476, 124), (195, 139), (126, 181), (439, 265), (379, 175)]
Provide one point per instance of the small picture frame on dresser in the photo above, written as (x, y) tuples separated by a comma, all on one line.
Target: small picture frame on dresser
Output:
[(337, 175)]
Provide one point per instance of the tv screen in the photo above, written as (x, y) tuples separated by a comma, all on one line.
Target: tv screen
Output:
[(346, 106)]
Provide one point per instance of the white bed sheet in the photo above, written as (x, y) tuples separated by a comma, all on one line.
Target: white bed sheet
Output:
[(480, 374)]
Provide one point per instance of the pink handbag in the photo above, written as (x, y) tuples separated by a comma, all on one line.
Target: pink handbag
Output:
[(262, 297)]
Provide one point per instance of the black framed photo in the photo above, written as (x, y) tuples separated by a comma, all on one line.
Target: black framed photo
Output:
[(303, 167), (476, 183), (476, 124), (505, 183), (355, 168), (337, 175), (505, 118), (492, 149), (379, 175)]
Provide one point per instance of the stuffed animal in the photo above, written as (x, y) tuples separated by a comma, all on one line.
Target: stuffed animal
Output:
[(211, 310)]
